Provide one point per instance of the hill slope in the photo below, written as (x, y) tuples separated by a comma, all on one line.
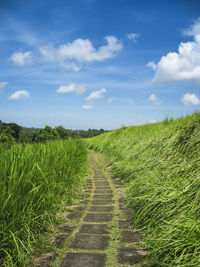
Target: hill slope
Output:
[(160, 165)]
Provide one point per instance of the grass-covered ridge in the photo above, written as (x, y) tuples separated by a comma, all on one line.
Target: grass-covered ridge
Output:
[(36, 181), (160, 164)]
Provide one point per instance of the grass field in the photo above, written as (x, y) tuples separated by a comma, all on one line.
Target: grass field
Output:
[(160, 166), (36, 180)]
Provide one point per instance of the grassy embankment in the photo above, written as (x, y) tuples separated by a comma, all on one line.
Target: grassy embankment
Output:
[(36, 181), (160, 165)]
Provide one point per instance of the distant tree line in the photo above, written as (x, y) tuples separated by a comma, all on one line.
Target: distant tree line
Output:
[(12, 132)]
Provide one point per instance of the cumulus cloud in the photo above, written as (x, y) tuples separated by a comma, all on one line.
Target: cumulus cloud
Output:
[(88, 106), (153, 98), (133, 36), (183, 65), (3, 84), (96, 94), (72, 87), (19, 94), (111, 99), (190, 99), (21, 59), (82, 50)]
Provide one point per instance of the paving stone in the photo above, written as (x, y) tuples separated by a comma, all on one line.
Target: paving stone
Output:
[(117, 183), (75, 215), (89, 187), (125, 214), (60, 240), (77, 208), (102, 201), (114, 177), (122, 207), (101, 208), (87, 195), (46, 260), (103, 191), (88, 191), (98, 217), (124, 224), (101, 183), (101, 178), (105, 196), (94, 229), (130, 237), (119, 186), (85, 201), (66, 228), (129, 256), (102, 187), (116, 180), (93, 242), (84, 260)]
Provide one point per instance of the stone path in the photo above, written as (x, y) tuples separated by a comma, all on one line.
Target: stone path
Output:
[(98, 231)]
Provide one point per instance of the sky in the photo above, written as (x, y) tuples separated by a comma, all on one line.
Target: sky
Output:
[(98, 64)]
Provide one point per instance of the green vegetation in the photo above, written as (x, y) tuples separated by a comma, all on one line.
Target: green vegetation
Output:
[(36, 181), (160, 165), (6, 138), (29, 135)]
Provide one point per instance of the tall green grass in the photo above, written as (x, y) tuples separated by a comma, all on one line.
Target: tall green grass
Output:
[(35, 180), (160, 165)]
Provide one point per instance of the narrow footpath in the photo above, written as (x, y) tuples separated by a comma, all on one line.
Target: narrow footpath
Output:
[(98, 231)]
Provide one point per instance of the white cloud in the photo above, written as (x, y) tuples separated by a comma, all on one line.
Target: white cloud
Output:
[(88, 106), (19, 94), (111, 99), (78, 89), (133, 36), (152, 65), (190, 99), (82, 50), (3, 84), (21, 59), (96, 94), (194, 29), (153, 98), (183, 65)]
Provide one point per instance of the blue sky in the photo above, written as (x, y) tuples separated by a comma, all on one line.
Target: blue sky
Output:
[(98, 64)]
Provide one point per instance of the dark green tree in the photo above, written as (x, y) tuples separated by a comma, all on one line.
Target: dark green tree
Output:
[(6, 138)]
